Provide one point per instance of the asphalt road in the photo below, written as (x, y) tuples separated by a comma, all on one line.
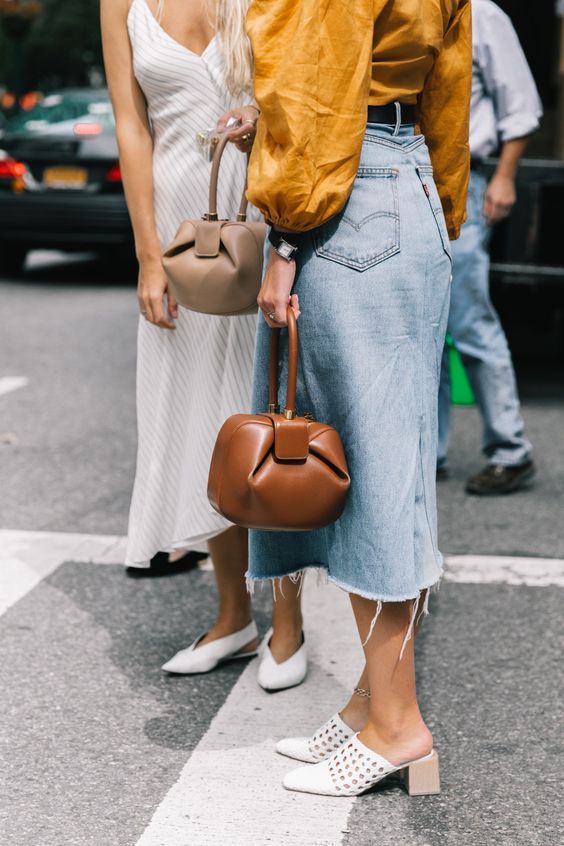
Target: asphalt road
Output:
[(94, 737), (70, 329)]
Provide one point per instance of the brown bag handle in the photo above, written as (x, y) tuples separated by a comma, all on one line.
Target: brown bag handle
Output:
[(290, 408), (220, 145)]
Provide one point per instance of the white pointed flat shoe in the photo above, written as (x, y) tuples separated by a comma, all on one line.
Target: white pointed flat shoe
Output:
[(354, 768), (273, 676), (318, 746), (207, 657)]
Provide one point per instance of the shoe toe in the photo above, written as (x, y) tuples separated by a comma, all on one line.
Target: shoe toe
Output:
[(295, 747), (312, 779), (272, 676), (297, 780), (179, 663), (191, 660)]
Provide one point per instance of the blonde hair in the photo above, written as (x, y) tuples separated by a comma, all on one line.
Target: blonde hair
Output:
[(236, 47)]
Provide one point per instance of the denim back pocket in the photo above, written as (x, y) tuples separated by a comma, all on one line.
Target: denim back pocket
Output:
[(425, 173), (367, 231)]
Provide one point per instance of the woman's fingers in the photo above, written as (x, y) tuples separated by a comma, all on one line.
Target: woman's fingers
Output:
[(151, 308), (158, 315), (224, 119), (172, 305), (274, 312), (295, 303)]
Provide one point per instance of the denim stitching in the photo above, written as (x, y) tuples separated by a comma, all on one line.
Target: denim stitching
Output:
[(371, 261), (404, 148), (364, 220)]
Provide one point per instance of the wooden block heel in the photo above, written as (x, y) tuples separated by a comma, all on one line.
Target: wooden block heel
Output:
[(422, 777)]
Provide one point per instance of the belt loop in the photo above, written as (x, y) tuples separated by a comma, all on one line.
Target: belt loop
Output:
[(398, 117)]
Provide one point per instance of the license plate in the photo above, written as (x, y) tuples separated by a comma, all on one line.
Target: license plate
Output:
[(65, 177)]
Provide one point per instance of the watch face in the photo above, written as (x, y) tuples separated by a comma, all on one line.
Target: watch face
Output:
[(285, 250)]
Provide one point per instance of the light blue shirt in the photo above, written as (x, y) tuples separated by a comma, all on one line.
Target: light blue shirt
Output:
[(505, 103)]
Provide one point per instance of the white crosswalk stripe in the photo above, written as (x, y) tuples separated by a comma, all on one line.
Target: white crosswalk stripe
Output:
[(12, 383), (229, 790)]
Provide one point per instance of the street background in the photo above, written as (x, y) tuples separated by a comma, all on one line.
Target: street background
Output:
[(100, 748)]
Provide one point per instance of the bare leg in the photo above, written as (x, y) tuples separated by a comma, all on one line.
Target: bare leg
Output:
[(286, 620), (355, 713), (229, 553), (395, 727)]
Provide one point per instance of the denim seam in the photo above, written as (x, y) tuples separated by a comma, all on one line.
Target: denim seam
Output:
[(348, 262), (404, 148), (389, 172), (366, 219), (424, 170)]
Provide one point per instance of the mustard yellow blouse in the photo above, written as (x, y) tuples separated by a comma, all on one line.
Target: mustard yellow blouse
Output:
[(319, 63)]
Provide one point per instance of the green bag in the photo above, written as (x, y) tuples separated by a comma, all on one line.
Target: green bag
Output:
[(460, 391)]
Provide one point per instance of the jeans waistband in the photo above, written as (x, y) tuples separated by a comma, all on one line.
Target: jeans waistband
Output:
[(394, 114)]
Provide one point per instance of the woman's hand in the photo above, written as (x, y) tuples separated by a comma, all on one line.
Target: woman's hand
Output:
[(153, 293), (275, 292), (244, 133)]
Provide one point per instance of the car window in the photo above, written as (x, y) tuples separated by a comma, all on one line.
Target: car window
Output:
[(58, 111)]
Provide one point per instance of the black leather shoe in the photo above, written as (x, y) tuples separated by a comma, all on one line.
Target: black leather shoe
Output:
[(501, 479), (161, 566)]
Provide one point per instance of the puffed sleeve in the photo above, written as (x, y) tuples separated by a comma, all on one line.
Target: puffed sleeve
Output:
[(444, 116), (312, 81)]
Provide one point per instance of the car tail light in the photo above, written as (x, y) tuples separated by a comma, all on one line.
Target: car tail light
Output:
[(114, 173), (11, 169), (88, 129)]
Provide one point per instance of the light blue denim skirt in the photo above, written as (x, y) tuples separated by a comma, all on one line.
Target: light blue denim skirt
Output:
[(373, 285)]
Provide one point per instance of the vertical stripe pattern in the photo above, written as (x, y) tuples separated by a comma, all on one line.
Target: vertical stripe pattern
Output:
[(190, 380)]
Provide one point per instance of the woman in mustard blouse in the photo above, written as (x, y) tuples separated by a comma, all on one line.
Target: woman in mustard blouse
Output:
[(361, 166)]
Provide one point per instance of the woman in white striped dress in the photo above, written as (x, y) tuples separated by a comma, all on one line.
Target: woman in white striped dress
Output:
[(173, 70)]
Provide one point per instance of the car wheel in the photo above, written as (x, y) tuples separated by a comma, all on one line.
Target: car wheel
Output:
[(12, 258)]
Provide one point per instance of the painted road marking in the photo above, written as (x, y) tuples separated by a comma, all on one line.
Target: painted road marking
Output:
[(12, 383), (230, 790), (28, 557), (484, 569)]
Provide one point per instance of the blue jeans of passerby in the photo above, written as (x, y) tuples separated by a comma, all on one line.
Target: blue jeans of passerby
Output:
[(479, 337)]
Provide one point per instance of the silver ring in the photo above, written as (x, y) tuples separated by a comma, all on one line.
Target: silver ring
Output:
[(272, 316), (143, 312)]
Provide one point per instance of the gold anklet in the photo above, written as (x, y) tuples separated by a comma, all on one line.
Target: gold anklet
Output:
[(362, 691)]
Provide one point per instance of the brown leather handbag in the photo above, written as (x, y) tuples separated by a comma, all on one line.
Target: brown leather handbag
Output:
[(279, 472), (215, 266)]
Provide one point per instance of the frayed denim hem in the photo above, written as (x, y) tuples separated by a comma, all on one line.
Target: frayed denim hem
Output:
[(324, 577)]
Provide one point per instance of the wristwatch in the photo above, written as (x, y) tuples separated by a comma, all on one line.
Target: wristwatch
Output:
[(286, 244)]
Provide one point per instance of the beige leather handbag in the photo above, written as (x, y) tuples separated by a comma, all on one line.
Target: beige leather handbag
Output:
[(215, 266)]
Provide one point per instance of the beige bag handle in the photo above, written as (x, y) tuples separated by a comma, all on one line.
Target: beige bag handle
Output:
[(220, 145)]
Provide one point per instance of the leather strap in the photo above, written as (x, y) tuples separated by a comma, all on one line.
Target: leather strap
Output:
[(220, 145), (389, 114), (290, 407)]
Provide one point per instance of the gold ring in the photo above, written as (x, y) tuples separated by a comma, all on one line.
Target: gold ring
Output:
[(245, 137)]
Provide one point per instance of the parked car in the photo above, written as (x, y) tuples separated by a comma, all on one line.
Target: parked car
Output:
[(60, 181)]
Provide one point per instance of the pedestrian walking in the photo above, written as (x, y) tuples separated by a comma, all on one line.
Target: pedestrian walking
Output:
[(173, 70), (360, 238), (505, 110)]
